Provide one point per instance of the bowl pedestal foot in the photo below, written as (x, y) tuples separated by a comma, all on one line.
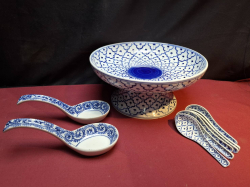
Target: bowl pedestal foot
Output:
[(143, 105)]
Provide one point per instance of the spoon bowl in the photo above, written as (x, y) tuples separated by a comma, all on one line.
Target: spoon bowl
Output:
[(189, 127), (89, 140), (222, 147), (86, 112), (214, 126)]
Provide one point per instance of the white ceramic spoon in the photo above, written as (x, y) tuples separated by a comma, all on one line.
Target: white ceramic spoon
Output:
[(207, 127), (209, 117), (225, 149), (188, 127), (90, 140), (85, 112), (218, 132), (222, 140)]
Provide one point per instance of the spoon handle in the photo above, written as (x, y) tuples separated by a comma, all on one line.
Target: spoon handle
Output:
[(204, 143), (188, 127), (217, 146), (212, 121), (223, 140), (225, 149), (50, 128), (47, 99)]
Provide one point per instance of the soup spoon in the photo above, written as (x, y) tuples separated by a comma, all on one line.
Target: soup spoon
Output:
[(213, 140), (203, 111), (223, 141), (188, 127), (220, 133), (85, 112), (207, 128), (89, 140)]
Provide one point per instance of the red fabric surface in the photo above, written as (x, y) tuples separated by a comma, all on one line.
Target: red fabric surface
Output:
[(148, 152)]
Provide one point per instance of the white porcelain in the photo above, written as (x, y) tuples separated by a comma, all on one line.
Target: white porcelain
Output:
[(189, 128), (209, 117), (207, 127), (85, 112), (223, 148), (220, 133), (90, 140), (147, 73)]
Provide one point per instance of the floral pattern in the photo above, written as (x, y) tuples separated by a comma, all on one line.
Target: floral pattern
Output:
[(188, 127), (175, 62), (73, 138), (143, 105), (101, 106), (203, 111)]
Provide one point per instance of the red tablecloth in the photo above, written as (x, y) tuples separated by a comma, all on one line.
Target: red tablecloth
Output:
[(148, 152)]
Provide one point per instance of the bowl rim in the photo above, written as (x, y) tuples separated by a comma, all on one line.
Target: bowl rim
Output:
[(100, 149), (149, 81), (89, 118)]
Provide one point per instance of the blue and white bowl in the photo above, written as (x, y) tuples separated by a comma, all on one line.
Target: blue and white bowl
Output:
[(147, 73)]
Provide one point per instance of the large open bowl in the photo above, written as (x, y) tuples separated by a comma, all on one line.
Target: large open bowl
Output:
[(146, 74)]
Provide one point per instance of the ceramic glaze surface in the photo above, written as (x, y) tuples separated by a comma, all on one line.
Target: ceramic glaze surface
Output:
[(144, 86), (189, 128), (223, 137), (144, 105), (144, 72), (203, 111), (147, 67), (211, 137), (71, 137), (100, 106), (92, 135), (175, 62)]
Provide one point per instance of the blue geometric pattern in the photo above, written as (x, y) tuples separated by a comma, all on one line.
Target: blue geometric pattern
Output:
[(175, 62), (222, 140), (211, 137), (146, 87), (147, 68), (143, 105), (75, 110), (213, 122), (72, 138), (189, 127)]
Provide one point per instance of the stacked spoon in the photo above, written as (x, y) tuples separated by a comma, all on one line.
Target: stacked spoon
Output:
[(197, 124)]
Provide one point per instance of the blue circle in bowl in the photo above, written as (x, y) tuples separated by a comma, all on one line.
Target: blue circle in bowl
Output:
[(145, 72)]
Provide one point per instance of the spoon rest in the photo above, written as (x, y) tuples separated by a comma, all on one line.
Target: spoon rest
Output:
[(189, 127), (85, 112), (210, 137), (220, 133), (90, 140)]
